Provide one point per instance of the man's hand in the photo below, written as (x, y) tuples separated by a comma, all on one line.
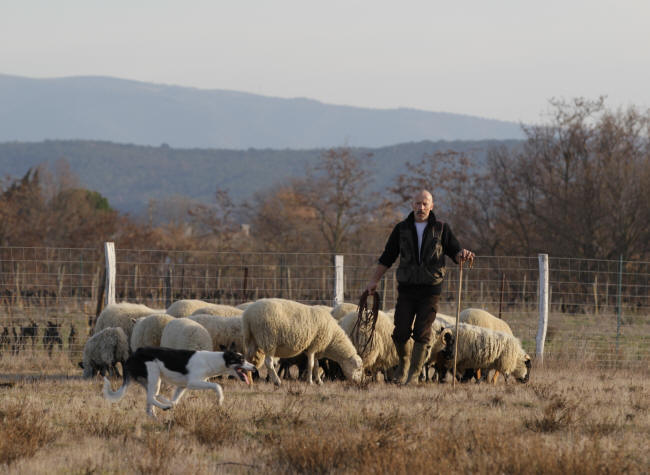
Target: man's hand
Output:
[(465, 255), (371, 287)]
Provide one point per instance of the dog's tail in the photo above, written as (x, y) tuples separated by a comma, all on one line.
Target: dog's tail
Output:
[(114, 396)]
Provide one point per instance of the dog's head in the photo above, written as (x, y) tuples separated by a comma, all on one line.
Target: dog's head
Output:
[(237, 365)]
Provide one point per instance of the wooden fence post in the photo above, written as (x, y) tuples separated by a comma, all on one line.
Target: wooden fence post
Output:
[(543, 306)]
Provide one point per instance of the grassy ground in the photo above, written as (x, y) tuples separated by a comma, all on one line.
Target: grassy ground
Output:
[(566, 420)]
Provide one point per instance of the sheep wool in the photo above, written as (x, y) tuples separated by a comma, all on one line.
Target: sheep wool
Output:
[(122, 315), (380, 354), (283, 328), (186, 334), (342, 309), (481, 348), (103, 350), (483, 319), (216, 309), (224, 331), (185, 307), (147, 331)]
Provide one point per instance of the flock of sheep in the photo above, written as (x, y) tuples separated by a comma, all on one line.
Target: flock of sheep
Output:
[(274, 332)]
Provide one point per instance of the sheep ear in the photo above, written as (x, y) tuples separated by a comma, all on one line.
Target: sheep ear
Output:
[(133, 320), (447, 336)]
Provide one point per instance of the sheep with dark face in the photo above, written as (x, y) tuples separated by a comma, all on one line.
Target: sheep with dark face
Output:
[(52, 337), (483, 349), (103, 351)]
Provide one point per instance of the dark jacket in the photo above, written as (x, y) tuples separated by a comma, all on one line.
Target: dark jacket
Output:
[(423, 274)]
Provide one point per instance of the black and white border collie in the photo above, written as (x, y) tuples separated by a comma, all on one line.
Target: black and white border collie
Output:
[(186, 369)]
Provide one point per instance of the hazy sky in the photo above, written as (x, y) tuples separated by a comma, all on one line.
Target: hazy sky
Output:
[(497, 59)]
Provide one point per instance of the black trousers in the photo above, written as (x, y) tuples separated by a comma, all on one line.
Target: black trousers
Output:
[(414, 315)]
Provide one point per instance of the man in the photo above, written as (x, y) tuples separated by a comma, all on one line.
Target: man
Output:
[(421, 242)]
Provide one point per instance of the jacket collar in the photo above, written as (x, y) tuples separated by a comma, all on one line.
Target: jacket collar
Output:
[(411, 218)]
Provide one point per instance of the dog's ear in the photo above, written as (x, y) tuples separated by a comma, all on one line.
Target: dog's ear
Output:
[(232, 347)]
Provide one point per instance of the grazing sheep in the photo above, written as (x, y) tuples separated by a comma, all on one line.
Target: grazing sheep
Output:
[(72, 338), (104, 350), (122, 315), (185, 307), (224, 331), (342, 309), (283, 328), (216, 309), (148, 330), (380, 354), (186, 334), (483, 319), (484, 349), (52, 337), (29, 331)]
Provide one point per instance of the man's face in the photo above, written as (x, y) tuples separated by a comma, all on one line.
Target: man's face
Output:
[(422, 205)]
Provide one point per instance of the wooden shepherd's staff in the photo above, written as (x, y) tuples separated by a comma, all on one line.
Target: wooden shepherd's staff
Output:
[(460, 289)]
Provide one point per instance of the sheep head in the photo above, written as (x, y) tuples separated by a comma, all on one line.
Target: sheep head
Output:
[(522, 370), (352, 368)]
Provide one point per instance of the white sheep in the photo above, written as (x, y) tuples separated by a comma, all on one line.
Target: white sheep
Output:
[(185, 307), (483, 319), (380, 354), (224, 331), (283, 328), (186, 334), (104, 350), (148, 330), (341, 310), (216, 309), (484, 349), (122, 315)]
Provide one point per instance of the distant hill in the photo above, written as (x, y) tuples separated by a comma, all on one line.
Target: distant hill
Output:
[(130, 175), (124, 111)]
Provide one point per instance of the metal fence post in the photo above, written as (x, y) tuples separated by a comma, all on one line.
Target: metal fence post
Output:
[(338, 280), (543, 306), (109, 253)]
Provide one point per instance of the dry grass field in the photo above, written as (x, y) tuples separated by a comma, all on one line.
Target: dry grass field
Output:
[(566, 420)]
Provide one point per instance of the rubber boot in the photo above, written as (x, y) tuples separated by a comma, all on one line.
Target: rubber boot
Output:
[(418, 357), (403, 366)]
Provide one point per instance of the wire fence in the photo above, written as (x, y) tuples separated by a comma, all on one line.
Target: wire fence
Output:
[(599, 310)]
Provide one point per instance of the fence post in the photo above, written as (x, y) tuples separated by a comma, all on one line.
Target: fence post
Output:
[(618, 300), (109, 253), (543, 305), (338, 280)]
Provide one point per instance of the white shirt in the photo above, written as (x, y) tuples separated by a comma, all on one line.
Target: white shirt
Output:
[(419, 227)]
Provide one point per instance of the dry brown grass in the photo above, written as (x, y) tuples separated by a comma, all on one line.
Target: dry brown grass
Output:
[(563, 421)]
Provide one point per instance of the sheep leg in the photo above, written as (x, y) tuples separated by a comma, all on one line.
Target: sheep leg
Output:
[(315, 371), (207, 385), (310, 368), (495, 377), (268, 361)]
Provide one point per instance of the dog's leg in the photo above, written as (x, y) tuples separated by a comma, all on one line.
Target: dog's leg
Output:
[(153, 386), (268, 361), (207, 385), (178, 394)]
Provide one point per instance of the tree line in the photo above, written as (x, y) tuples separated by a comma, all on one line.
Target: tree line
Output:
[(577, 186)]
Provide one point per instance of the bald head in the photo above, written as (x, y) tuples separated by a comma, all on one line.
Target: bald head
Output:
[(422, 205)]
